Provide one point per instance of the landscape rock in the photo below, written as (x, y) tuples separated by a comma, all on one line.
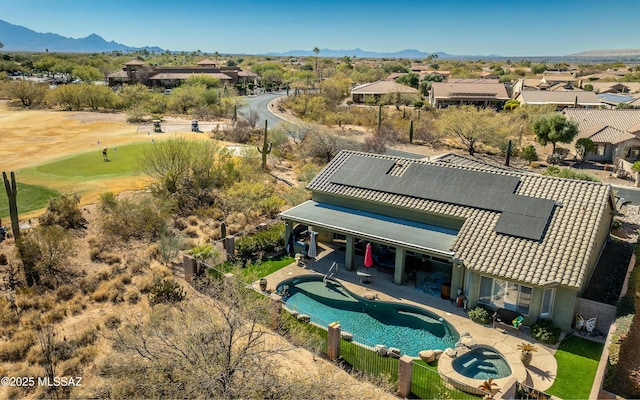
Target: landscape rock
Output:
[(438, 353), (469, 342), (464, 333), (303, 318), (380, 349), (427, 355), (346, 336), (394, 352), (450, 352)]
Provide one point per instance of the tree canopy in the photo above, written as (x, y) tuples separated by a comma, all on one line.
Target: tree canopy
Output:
[(553, 128)]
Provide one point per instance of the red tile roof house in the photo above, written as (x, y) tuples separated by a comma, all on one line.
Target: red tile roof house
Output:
[(616, 134), (480, 92), (508, 239)]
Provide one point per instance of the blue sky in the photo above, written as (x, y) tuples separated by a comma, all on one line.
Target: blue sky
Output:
[(507, 28)]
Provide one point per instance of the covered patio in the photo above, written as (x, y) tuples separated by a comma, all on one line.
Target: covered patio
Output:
[(403, 247)]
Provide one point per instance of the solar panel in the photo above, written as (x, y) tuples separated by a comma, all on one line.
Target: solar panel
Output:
[(522, 216)]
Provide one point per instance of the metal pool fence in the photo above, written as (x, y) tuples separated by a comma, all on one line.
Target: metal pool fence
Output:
[(361, 355)]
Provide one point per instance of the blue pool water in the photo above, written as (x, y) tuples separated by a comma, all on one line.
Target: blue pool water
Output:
[(408, 328), (482, 363)]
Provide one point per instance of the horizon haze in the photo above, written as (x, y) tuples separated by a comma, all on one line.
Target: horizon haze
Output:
[(458, 27)]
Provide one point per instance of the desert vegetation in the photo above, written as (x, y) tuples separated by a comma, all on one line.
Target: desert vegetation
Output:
[(95, 289)]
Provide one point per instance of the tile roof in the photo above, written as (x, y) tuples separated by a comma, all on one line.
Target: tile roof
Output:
[(479, 90), (560, 98), (588, 119), (383, 87), (187, 75), (562, 256)]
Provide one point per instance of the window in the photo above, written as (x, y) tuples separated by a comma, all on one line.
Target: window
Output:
[(600, 149), (503, 294), (547, 303)]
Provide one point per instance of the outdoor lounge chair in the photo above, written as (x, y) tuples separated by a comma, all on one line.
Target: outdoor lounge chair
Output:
[(591, 325), (579, 322)]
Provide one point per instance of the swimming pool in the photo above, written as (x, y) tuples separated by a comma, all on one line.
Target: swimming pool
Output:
[(482, 363), (408, 328)]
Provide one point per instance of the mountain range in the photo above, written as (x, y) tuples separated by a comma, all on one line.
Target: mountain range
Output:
[(19, 38)]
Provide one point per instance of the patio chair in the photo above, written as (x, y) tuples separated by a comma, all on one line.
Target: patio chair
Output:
[(579, 322), (591, 325)]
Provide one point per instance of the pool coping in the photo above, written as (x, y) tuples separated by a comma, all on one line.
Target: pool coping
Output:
[(540, 374), (518, 370)]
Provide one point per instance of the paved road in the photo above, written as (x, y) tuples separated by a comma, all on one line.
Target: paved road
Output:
[(260, 104)]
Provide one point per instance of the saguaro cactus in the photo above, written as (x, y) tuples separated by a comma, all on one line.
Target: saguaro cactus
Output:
[(380, 117), (12, 192), (266, 149), (223, 230), (411, 131)]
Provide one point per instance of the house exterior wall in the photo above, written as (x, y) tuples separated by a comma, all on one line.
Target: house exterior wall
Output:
[(607, 157)]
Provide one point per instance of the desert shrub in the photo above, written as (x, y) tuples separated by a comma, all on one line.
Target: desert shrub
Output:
[(192, 220), (109, 290), (63, 211), (56, 315), (77, 305), (16, 349), (136, 265), (192, 232), (65, 292), (480, 315), (261, 242), (132, 296), (529, 153), (545, 331), (166, 291), (130, 219), (112, 322), (8, 314), (88, 285), (180, 223)]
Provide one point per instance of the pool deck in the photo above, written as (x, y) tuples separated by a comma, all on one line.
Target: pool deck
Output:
[(540, 374)]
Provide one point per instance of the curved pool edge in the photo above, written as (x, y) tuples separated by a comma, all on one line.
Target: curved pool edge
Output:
[(360, 298), (518, 370)]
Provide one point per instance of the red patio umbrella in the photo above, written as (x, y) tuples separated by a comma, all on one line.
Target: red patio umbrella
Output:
[(368, 257)]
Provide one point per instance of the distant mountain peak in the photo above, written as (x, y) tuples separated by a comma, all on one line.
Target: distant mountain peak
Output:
[(19, 38)]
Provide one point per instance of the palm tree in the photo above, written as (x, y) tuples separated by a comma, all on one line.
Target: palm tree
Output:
[(316, 51)]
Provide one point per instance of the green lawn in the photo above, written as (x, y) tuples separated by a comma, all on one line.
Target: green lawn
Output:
[(123, 161), (30, 198), (577, 360), (71, 175), (268, 267)]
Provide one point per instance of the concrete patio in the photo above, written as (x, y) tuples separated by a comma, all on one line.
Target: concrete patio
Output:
[(540, 374)]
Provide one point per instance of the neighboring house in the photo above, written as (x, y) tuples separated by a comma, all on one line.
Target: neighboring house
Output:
[(561, 100), (479, 92), (372, 92), (616, 133), (612, 100), (612, 87), (136, 71), (507, 239)]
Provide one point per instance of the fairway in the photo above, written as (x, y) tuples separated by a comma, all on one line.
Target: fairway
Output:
[(122, 160), (30, 198)]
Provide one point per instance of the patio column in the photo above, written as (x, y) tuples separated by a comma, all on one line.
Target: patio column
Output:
[(349, 252), (288, 228), (398, 276)]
